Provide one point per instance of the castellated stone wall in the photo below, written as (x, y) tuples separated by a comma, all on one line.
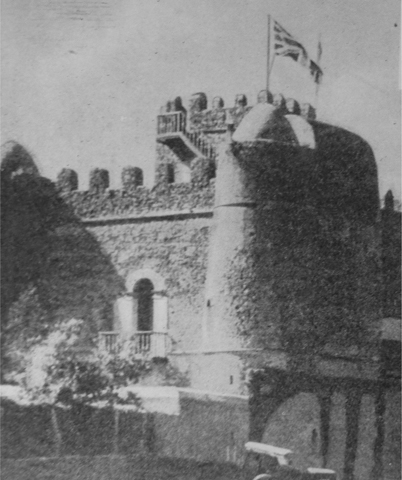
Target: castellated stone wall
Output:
[(164, 229), (174, 249), (86, 270), (139, 201), (67, 252), (173, 246)]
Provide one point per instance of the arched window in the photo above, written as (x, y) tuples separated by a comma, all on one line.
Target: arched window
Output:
[(144, 306), (143, 294)]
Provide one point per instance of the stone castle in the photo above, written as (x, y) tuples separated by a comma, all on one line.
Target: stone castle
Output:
[(260, 266)]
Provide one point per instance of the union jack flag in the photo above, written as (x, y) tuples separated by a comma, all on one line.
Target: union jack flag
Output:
[(287, 46)]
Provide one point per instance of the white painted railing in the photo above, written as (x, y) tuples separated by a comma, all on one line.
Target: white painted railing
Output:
[(154, 344), (109, 340)]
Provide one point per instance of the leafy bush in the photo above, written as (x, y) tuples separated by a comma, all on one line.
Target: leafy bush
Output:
[(62, 368)]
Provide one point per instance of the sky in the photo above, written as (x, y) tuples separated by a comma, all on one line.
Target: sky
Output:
[(83, 80)]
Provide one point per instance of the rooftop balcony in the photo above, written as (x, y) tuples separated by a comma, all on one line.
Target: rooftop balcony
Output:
[(171, 131)]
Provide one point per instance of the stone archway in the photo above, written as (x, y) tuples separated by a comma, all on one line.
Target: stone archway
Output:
[(296, 425), (323, 420), (156, 279), (268, 389)]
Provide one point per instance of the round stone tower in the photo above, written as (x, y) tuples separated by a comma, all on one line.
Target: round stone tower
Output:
[(292, 260)]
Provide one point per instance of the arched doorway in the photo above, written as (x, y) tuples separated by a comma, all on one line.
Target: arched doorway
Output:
[(144, 304)]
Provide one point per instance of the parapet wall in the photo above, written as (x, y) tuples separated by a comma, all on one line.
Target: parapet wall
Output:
[(134, 199), (216, 117), (179, 185)]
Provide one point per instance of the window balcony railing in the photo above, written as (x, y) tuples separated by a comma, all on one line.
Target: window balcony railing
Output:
[(154, 344), (109, 341)]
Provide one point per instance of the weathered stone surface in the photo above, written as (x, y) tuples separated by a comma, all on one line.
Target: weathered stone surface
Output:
[(67, 180), (202, 171), (308, 112), (131, 177), (98, 180), (176, 250), (198, 102), (264, 96), (271, 232), (141, 200), (292, 106)]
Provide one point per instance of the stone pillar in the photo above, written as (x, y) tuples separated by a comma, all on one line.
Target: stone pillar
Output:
[(232, 218), (353, 402), (264, 96), (279, 102), (160, 321), (324, 399), (292, 106), (198, 103), (132, 177), (67, 180), (177, 105), (124, 320), (337, 433), (217, 103), (391, 452), (240, 100), (98, 180), (365, 451), (308, 112)]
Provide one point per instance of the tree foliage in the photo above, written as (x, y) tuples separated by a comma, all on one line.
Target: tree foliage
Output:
[(62, 368)]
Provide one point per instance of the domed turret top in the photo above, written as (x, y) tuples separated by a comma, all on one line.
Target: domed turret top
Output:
[(266, 122)]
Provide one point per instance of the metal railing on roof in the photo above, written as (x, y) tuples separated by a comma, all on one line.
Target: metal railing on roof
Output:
[(175, 122)]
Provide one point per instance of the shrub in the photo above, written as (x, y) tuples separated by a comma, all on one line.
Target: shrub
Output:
[(59, 369)]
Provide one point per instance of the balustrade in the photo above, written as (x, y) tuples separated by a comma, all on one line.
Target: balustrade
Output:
[(154, 344), (175, 122), (109, 341), (171, 123)]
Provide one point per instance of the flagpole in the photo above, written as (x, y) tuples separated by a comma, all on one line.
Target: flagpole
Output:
[(269, 51), (319, 53)]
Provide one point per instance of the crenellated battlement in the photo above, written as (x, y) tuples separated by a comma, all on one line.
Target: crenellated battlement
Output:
[(188, 140), (133, 198), (214, 119)]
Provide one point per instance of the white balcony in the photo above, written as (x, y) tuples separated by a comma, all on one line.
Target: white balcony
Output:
[(152, 344)]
